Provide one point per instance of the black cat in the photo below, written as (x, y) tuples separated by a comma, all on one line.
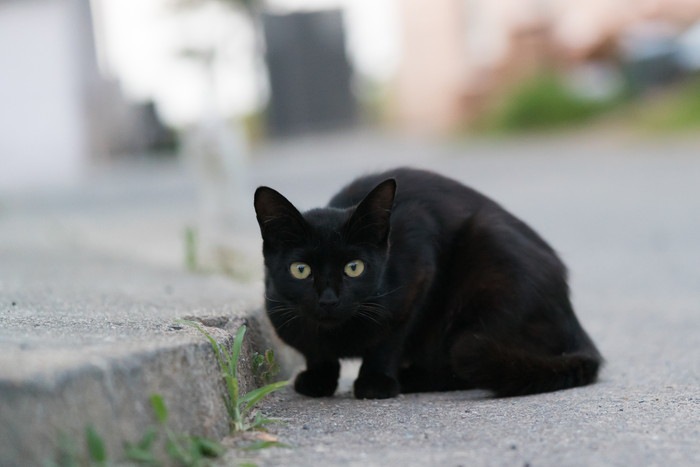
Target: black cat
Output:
[(434, 285)]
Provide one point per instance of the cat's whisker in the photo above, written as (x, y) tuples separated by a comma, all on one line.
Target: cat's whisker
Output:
[(286, 313), (371, 307), (389, 292), (369, 317), (272, 299), (280, 310), (288, 321), (377, 307), (372, 312)]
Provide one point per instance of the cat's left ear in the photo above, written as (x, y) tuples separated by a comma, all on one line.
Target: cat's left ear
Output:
[(280, 222), (371, 220)]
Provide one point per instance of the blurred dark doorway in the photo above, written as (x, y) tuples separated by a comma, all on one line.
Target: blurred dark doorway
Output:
[(309, 73)]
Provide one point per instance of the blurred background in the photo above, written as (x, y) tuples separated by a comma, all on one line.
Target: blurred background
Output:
[(134, 132), (169, 112)]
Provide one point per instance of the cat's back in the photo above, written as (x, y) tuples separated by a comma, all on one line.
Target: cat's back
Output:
[(430, 205), (417, 189)]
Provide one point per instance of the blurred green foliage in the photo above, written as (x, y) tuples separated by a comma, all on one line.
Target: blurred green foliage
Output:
[(545, 103), (254, 127), (541, 103), (675, 109)]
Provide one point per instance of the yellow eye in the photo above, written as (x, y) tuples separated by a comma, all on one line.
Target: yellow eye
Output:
[(354, 268), (300, 270)]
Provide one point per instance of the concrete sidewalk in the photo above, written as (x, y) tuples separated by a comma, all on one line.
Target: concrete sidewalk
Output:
[(92, 282), (85, 340)]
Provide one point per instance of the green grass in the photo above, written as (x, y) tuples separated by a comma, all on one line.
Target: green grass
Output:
[(542, 103), (191, 261), (68, 454), (239, 405), (229, 262), (95, 446), (184, 450), (161, 446), (545, 103), (675, 109), (265, 367)]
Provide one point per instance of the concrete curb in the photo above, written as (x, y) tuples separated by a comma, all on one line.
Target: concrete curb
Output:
[(52, 389)]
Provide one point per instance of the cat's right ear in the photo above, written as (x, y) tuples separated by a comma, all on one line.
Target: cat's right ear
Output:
[(280, 222), (370, 221)]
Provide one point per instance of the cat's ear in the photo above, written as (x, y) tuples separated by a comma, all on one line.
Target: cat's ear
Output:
[(280, 222), (371, 220)]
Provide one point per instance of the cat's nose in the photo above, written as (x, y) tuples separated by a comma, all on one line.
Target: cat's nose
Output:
[(328, 298)]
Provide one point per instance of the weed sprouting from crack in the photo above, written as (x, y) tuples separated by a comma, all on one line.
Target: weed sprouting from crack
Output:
[(240, 406), (265, 367), (180, 449), (159, 446), (190, 451)]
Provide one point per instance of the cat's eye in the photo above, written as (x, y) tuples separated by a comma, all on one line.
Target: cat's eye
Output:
[(300, 270), (354, 268)]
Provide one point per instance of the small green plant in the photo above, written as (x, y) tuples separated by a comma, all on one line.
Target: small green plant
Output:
[(188, 451), (184, 450), (239, 406), (177, 449), (228, 261), (96, 447), (191, 262), (265, 366), (69, 455)]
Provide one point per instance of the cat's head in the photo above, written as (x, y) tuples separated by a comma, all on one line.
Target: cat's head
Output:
[(324, 265)]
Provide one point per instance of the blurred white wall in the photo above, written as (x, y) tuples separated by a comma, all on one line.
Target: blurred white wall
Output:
[(43, 124)]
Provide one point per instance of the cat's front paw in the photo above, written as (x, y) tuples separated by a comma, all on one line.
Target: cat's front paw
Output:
[(376, 386), (316, 383)]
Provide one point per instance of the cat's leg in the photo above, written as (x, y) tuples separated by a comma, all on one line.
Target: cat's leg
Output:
[(406, 289), (379, 373), (378, 378), (320, 379)]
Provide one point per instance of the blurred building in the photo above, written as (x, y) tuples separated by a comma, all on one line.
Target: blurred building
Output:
[(309, 73), (458, 55), (47, 63), (58, 113)]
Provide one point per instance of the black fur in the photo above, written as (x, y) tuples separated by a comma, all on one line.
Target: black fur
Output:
[(456, 292)]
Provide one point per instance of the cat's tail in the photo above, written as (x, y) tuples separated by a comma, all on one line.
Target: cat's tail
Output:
[(512, 371)]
